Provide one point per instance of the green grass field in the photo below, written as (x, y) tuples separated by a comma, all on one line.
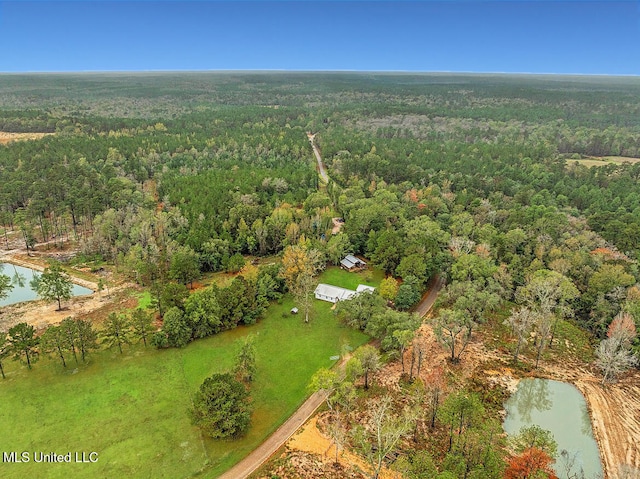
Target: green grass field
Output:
[(339, 277), (132, 409)]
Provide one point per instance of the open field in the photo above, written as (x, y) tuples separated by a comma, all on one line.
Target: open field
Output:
[(9, 137), (132, 409), (605, 160)]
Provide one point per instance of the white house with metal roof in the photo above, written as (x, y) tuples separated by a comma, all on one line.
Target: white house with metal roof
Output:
[(333, 294)]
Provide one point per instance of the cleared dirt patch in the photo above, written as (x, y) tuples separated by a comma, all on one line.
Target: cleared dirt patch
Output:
[(615, 418), (311, 440), (41, 314)]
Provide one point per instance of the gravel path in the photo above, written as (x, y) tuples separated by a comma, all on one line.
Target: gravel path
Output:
[(260, 455), (428, 299), (323, 172)]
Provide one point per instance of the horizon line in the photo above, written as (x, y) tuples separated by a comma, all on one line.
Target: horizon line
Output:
[(278, 70)]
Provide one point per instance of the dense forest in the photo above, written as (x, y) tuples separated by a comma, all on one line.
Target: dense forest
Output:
[(483, 180)]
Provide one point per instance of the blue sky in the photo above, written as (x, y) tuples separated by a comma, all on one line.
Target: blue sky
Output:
[(588, 37)]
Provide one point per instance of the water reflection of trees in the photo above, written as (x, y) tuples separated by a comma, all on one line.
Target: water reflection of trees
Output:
[(532, 394), (586, 421), (569, 465), (18, 279)]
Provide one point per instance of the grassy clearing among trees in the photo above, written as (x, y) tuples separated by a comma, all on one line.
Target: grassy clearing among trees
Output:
[(338, 277), (132, 409), (605, 160)]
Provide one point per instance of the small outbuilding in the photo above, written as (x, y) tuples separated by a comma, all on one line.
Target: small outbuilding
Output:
[(294, 310), (351, 263)]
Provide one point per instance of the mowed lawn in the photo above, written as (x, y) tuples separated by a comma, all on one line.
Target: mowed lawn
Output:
[(132, 409), (336, 276)]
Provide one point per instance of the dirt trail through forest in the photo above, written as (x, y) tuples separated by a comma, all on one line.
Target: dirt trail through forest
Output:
[(321, 169)]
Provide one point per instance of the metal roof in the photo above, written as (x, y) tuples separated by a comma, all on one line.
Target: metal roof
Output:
[(331, 291), (347, 264), (364, 287), (353, 259)]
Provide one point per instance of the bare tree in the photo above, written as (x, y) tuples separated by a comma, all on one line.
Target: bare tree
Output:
[(612, 359), (550, 294), (417, 354), (453, 329), (521, 322), (544, 324), (460, 245), (381, 433), (435, 386), (337, 433)]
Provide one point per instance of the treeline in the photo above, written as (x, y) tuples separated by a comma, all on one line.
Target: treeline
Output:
[(186, 317), (431, 173), (214, 309), (27, 121), (72, 338)]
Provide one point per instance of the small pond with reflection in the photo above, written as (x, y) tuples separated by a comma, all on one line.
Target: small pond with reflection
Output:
[(20, 278), (560, 408)]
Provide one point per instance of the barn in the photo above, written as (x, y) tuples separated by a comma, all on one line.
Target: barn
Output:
[(351, 263)]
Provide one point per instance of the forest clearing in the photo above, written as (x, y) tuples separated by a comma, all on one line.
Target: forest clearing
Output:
[(606, 160), (9, 137), (613, 410)]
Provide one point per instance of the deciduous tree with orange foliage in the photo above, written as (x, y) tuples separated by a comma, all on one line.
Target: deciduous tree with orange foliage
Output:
[(532, 463)]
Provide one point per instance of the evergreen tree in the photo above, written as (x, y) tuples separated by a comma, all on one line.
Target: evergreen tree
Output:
[(53, 284), (24, 343), (141, 326), (221, 407), (54, 340), (116, 331)]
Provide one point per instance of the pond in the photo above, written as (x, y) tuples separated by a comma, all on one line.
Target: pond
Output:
[(20, 278), (560, 408)]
